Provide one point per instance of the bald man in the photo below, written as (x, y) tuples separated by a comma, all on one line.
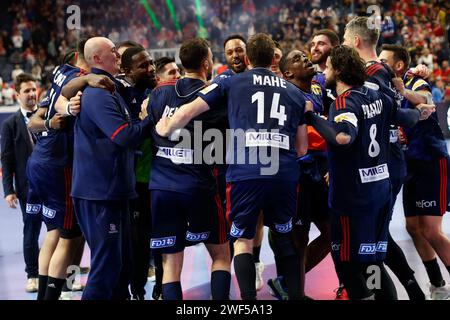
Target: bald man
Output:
[(103, 175)]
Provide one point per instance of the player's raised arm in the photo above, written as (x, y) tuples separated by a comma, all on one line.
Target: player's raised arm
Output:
[(335, 134)]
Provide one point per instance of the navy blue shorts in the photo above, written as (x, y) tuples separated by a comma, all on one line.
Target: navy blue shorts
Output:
[(360, 237), (426, 192), (246, 199), (312, 202), (49, 195), (180, 220)]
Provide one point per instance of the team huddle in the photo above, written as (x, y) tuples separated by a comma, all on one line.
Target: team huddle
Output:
[(327, 137)]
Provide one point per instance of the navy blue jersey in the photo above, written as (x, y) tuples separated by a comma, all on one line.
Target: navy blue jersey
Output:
[(379, 77), (56, 146), (319, 77), (226, 74), (105, 140), (173, 167), (263, 111), (315, 140), (425, 140), (134, 98), (359, 175), (316, 96), (329, 95)]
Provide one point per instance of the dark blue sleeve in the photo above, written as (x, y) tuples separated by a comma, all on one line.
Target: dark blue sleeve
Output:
[(103, 109), (215, 94)]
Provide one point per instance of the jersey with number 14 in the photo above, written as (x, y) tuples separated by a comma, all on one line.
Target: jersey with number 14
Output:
[(359, 175), (264, 111)]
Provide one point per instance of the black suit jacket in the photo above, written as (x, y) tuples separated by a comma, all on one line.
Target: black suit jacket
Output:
[(16, 147)]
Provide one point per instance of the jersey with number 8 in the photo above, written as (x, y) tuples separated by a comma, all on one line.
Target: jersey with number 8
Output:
[(359, 175)]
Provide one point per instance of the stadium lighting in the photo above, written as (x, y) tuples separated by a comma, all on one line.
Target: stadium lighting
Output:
[(173, 14), (151, 14)]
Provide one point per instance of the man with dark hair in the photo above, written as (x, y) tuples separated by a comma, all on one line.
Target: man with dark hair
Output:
[(121, 49), (234, 37), (277, 55), (357, 137), (427, 179), (320, 46), (138, 78), (250, 188), (166, 69), (313, 194), (16, 146), (234, 49), (184, 200)]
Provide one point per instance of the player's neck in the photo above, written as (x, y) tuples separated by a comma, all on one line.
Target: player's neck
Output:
[(195, 75), (368, 54), (303, 84), (83, 65), (341, 87)]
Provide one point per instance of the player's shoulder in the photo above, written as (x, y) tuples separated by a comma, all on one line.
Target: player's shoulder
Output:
[(67, 69), (355, 97), (224, 75), (163, 88), (380, 69), (166, 85)]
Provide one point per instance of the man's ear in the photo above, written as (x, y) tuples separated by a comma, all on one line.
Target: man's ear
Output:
[(246, 61), (357, 41), (288, 75), (97, 59), (398, 66)]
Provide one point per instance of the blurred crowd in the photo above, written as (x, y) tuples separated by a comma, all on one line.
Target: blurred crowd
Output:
[(34, 35)]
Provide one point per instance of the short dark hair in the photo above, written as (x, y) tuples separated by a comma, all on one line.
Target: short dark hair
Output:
[(193, 52), (400, 53), (21, 78), (233, 37), (284, 62), (129, 43), (360, 26), (260, 50), (69, 57), (161, 63), (349, 66), (127, 57), (330, 34), (80, 47)]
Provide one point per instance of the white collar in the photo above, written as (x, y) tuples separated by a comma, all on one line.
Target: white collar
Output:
[(25, 111)]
